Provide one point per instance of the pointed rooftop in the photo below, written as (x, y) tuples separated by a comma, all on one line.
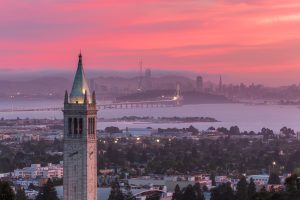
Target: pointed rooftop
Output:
[(80, 85)]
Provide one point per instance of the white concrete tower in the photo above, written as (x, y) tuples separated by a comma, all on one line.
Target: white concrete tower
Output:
[(80, 143)]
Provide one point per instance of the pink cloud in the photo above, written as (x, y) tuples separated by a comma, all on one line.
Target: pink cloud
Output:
[(223, 36)]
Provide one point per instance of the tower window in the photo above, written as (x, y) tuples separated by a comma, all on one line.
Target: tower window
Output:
[(89, 126), (75, 126), (70, 125), (93, 126), (80, 125)]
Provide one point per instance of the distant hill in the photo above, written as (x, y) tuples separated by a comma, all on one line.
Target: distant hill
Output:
[(189, 97), (40, 87), (106, 87)]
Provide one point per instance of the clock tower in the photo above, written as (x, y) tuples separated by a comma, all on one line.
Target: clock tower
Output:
[(80, 141)]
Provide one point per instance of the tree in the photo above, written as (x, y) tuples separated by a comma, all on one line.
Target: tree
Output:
[(177, 193), (222, 192), (223, 130), (292, 183), (193, 130), (267, 133), (32, 187), (205, 188), (263, 189), (241, 193), (189, 193), (287, 132), (215, 194), (263, 195), (227, 192), (47, 192), (20, 195), (251, 189), (112, 129), (234, 130), (128, 194), (274, 179), (131, 155), (211, 128), (213, 179), (6, 193), (198, 192), (116, 193)]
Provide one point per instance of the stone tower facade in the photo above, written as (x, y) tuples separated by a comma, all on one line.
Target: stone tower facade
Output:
[(80, 143)]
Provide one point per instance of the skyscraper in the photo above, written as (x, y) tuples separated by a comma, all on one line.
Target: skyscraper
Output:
[(199, 84), (220, 85), (80, 143)]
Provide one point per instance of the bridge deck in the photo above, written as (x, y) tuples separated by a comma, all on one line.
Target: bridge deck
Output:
[(118, 105)]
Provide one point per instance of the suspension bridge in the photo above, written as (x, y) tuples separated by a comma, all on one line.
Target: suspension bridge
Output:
[(169, 102), (174, 101)]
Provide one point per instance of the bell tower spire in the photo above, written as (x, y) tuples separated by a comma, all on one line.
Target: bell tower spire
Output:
[(80, 85), (80, 59), (80, 141)]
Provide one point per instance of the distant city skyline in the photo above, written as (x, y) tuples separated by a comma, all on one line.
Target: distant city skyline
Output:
[(243, 40), (22, 75)]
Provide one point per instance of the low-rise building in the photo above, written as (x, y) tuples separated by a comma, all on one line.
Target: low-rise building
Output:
[(259, 179), (36, 170)]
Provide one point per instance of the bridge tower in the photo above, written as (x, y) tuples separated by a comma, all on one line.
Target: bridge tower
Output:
[(140, 84), (178, 97)]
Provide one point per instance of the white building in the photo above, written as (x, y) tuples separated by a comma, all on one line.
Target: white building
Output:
[(259, 179), (25, 183), (5, 137), (36, 171), (23, 137), (31, 194), (222, 179), (298, 135), (138, 132), (2, 175)]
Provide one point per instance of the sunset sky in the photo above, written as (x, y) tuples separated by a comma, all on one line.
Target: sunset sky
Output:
[(251, 40)]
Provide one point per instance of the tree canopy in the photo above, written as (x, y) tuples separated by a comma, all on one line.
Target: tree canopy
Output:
[(47, 192), (6, 192)]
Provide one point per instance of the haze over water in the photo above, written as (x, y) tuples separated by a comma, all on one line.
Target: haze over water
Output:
[(246, 117)]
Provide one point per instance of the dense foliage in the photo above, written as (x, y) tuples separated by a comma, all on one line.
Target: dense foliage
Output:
[(117, 194), (47, 192), (190, 192), (20, 194), (25, 154), (6, 193), (172, 156), (247, 191), (183, 156)]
